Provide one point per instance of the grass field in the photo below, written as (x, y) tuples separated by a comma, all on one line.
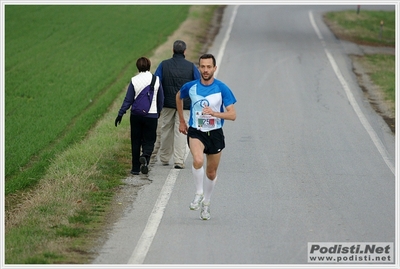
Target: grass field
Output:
[(64, 65), (364, 27)]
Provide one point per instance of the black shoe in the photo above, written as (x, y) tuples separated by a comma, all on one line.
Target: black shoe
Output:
[(134, 173), (143, 167), (179, 166)]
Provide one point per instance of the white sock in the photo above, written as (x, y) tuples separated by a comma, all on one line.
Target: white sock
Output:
[(198, 175), (208, 189)]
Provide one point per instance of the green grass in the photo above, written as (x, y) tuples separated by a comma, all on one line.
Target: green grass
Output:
[(365, 27), (64, 65), (69, 205), (381, 69)]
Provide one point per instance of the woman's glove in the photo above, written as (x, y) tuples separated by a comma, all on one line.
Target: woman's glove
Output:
[(118, 120)]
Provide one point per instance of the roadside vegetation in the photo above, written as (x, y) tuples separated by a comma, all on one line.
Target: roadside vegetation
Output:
[(67, 68), (373, 28), (64, 66), (381, 69)]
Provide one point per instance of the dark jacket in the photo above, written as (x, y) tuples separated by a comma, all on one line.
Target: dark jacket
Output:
[(173, 73)]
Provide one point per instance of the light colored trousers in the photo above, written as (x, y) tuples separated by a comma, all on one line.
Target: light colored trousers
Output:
[(169, 140)]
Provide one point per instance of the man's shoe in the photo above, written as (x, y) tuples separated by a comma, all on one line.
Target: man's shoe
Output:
[(195, 204), (143, 167), (153, 160), (179, 166), (135, 173), (205, 212)]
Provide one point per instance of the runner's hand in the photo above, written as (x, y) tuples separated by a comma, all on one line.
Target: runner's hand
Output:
[(208, 111), (183, 128)]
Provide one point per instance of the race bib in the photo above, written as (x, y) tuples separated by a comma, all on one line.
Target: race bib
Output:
[(206, 122)]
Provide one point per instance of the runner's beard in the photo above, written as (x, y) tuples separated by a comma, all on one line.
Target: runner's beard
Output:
[(204, 76)]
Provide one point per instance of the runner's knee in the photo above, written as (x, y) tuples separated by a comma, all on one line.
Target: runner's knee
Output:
[(197, 162), (211, 174)]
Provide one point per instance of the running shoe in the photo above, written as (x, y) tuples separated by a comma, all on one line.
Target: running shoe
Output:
[(143, 167), (205, 211), (195, 204)]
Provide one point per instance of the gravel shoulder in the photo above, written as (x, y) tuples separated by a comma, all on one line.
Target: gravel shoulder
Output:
[(372, 92), (375, 96)]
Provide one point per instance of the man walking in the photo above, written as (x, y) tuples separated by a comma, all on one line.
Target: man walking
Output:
[(208, 97), (173, 73)]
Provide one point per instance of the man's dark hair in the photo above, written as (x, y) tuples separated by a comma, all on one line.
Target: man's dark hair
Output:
[(179, 47), (208, 56), (143, 64)]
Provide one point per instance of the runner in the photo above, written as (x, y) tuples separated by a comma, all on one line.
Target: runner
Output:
[(208, 97)]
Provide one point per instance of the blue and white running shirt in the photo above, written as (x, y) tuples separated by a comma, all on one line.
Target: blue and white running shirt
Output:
[(216, 96)]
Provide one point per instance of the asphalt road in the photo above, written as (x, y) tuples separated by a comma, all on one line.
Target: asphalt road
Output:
[(307, 159)]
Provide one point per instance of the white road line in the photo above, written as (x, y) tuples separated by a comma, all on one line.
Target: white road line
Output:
[(374, 137), (225, 40), (144, 243)]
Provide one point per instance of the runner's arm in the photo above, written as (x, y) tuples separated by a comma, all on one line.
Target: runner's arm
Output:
[(183, 128), (229, 114)]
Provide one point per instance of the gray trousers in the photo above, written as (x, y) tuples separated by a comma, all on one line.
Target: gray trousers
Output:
[(170, 142)]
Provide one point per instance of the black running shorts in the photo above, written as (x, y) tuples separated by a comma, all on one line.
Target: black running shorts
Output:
[(213, 141)]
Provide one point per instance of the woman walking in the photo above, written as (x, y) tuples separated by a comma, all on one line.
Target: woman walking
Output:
[(144, 114)]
